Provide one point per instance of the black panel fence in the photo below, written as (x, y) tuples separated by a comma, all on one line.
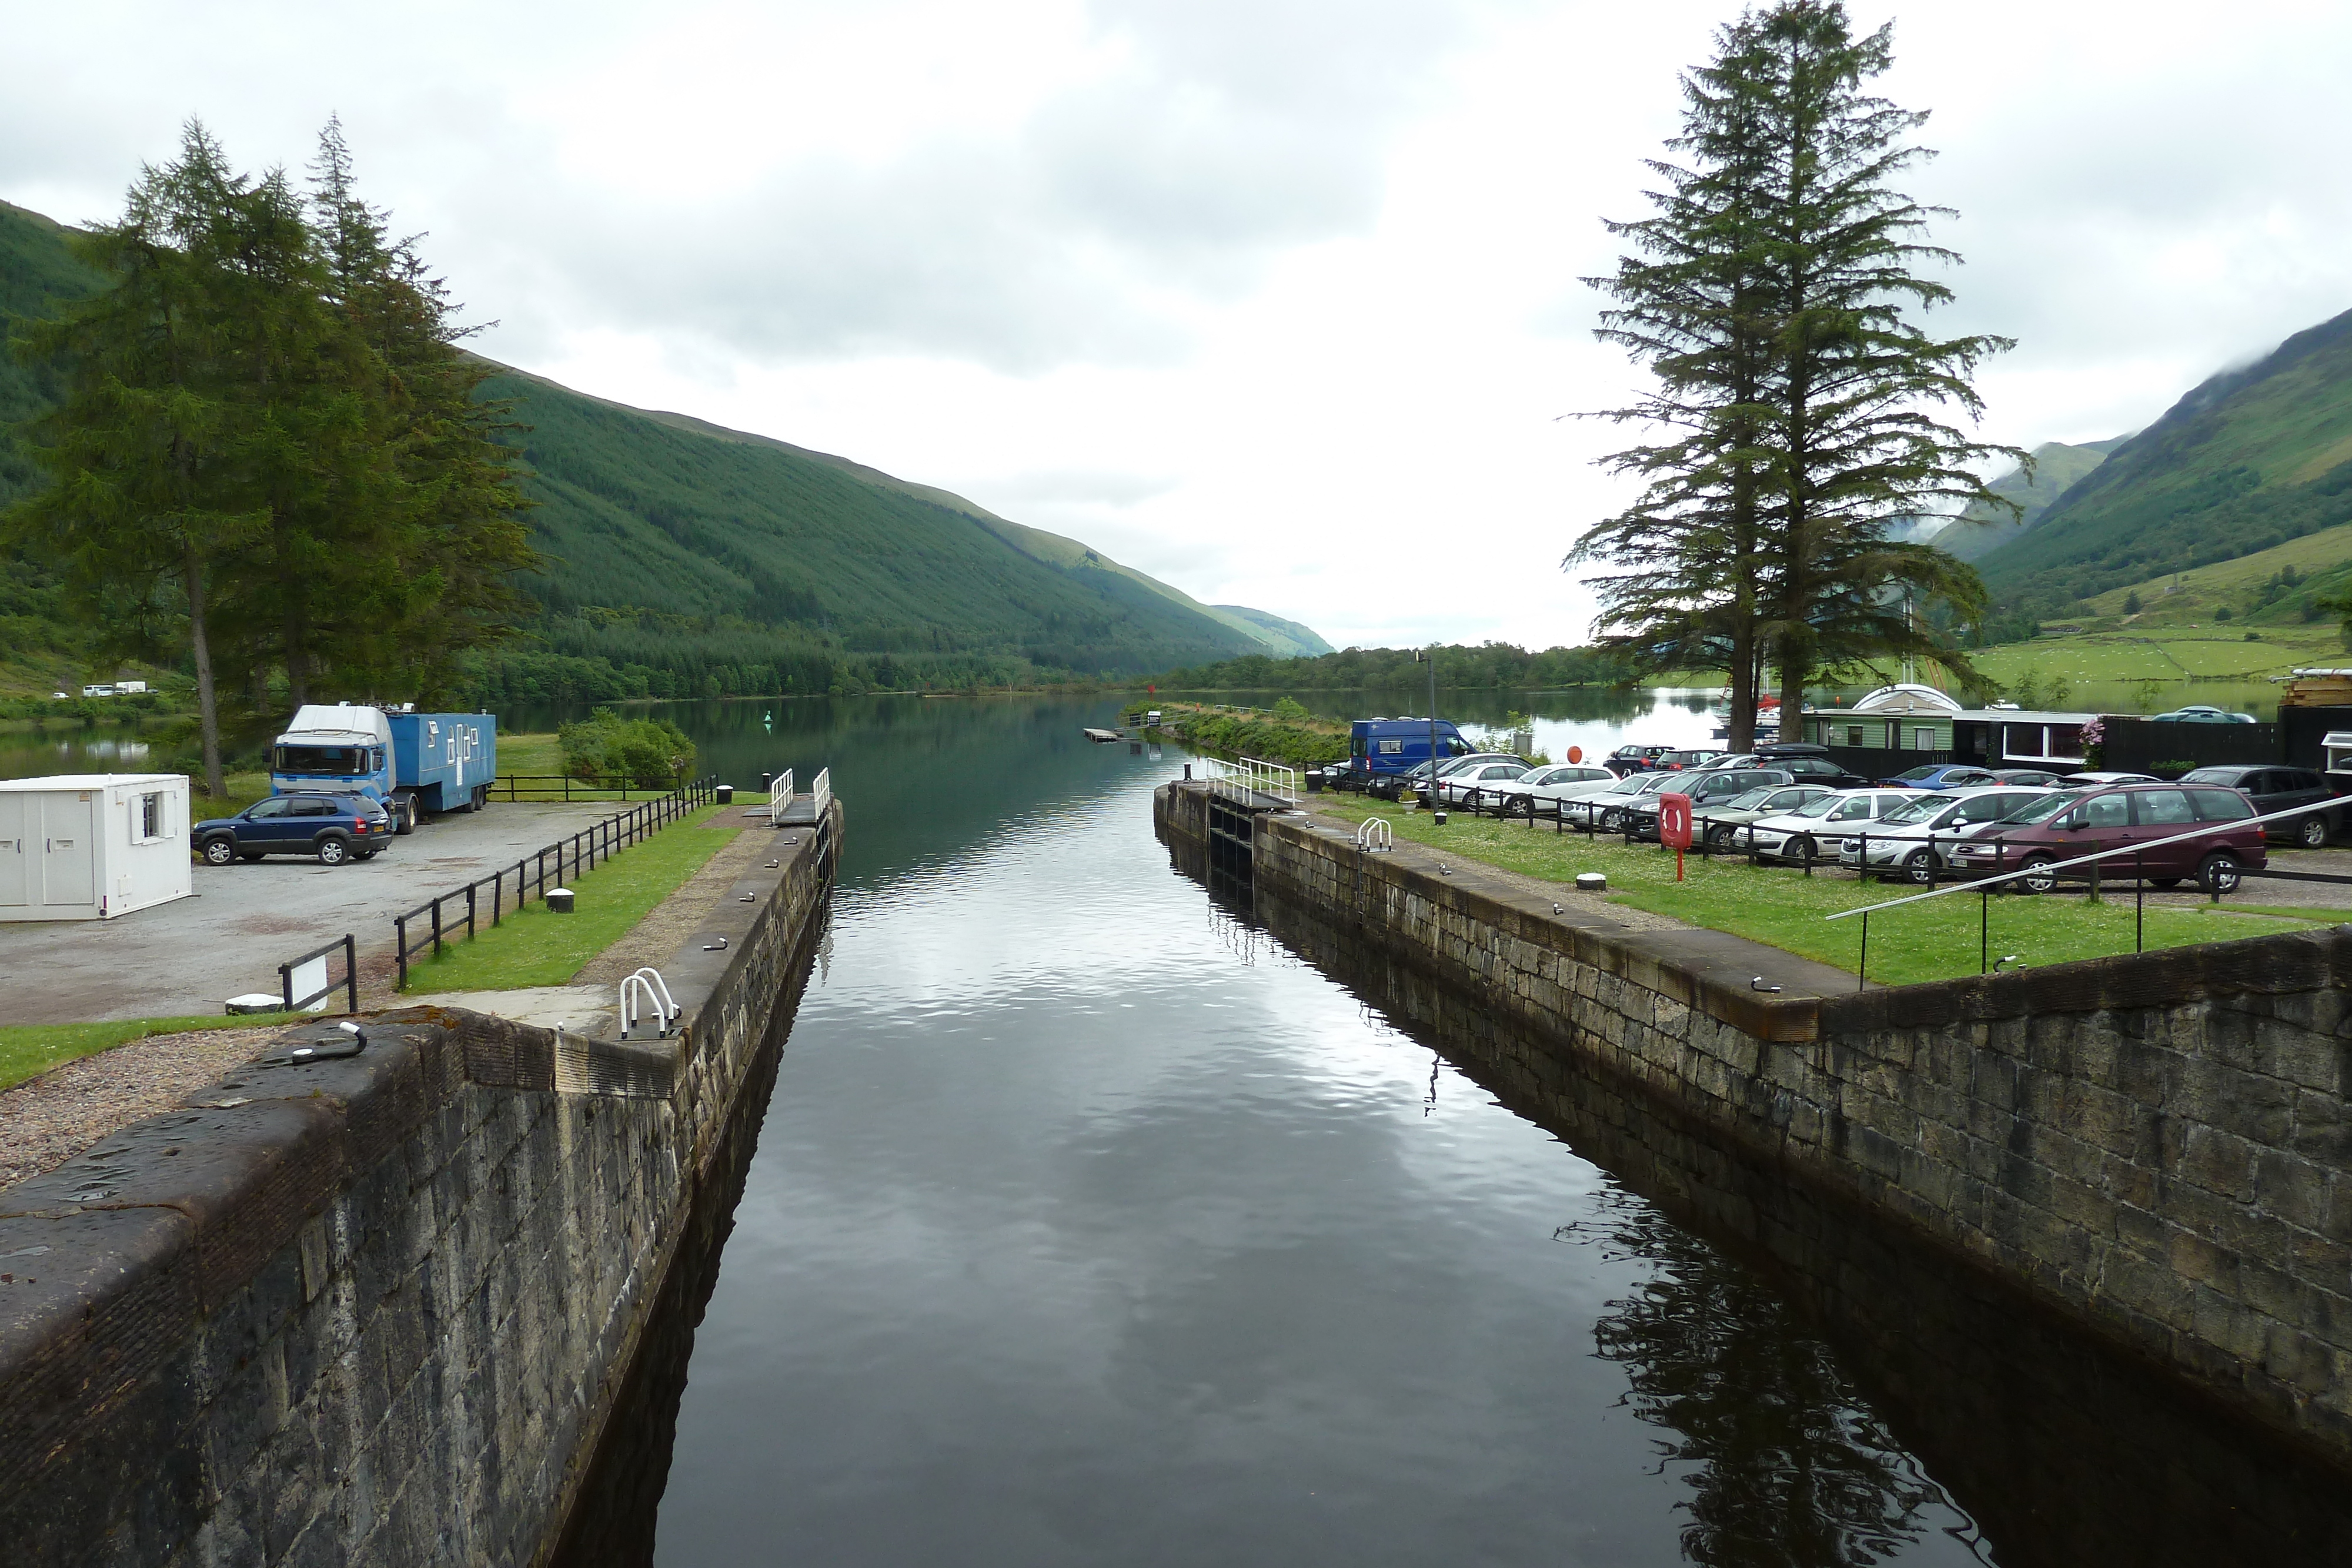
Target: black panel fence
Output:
[(2146, 745), (437, 921)]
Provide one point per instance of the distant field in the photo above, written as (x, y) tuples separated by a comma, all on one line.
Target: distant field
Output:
[(2234, 584), (2180, 653)]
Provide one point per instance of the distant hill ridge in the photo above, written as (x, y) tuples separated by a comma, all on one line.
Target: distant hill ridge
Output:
[(1981, 529), (2248, 459)]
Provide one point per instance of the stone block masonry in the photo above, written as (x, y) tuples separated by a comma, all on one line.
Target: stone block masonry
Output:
[(2156, 1146), (376, 1309)]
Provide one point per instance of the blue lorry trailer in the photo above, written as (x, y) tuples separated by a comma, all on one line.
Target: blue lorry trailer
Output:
[(1381, 748), (412, 762)]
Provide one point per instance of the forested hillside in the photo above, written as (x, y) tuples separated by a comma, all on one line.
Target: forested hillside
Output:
[(685, 560), (1489, 666), (2249, 459), (1981, 529)]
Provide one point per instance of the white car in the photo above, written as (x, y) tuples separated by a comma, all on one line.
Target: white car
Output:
[(1806, 833), (1454, 785), (1560, 780), (1605, 808), (1916, 839)]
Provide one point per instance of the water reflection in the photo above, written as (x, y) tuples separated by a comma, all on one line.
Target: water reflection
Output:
[(1832, 1392)]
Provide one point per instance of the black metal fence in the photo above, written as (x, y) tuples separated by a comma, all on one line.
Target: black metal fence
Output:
[(579, 852), (350, 982)]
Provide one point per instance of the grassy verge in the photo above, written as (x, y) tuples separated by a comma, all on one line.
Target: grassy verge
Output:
[(26, 1049), (1936, 940), (536, 948)]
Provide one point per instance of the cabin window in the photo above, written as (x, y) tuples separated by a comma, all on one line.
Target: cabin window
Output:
[(1854, 734), (1922, 739), (146, 819)]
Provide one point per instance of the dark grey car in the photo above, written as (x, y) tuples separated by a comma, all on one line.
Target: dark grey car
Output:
[(1719, 789), (2280, 789)]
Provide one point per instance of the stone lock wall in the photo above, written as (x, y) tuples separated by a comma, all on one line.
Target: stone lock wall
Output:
[(2159, 1146), (375, 1309)]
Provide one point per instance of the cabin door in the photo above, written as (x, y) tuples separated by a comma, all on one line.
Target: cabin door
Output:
[(13, 860), (68, 854)]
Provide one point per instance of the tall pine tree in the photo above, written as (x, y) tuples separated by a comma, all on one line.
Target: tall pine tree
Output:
[(1770, 296)]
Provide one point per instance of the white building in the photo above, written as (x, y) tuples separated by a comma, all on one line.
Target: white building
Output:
[(90, 846)]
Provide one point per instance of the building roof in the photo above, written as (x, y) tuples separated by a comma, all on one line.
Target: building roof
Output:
[(90, 780)]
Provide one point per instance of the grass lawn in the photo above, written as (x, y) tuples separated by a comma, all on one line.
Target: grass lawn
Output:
[(29, 1048), (536, 948), (1937, 940)]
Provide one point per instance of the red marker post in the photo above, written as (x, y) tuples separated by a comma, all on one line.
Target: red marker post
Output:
[(1675, 825)]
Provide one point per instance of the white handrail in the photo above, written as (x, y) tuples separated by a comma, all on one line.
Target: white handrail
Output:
[(1372, 834), (780, 795), (647, 988), (821, 790), (1252, 776), (2205, 831)]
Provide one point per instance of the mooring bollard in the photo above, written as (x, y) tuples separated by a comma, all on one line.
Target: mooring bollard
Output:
[(559, 900)]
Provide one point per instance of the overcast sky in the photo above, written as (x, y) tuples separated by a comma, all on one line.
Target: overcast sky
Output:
[(1276, 300)]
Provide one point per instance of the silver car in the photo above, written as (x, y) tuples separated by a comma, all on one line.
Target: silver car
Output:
[(1605, 809), (1559, 781), (1802, 833), (1915, 840)]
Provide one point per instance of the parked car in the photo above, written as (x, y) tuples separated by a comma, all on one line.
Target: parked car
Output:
[(1633, 758), (2031, 777), (2098, 780), (1720, 825), (1640, 821), (2069, 823), (1732, 760), (1799, 835), (2280, 789), (1688, 759), (1605, 809), (2198, 712), (1557, 782), (1454, 784), (1942, 776), (330, 828), (1915, 840)]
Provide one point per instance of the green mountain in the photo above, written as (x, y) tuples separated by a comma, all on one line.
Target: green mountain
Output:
[(686, 559), (1981, 529), (2249, 459)]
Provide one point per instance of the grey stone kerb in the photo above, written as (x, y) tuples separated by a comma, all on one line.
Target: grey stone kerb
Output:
[(2159, 1146), (373, 1309)]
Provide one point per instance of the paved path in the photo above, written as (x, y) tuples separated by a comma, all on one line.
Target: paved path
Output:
[(186, 958)]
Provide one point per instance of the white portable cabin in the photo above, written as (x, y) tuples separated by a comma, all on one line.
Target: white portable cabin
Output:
[(90, 846)]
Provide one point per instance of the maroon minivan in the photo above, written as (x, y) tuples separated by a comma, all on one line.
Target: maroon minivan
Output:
[(2062, 826)]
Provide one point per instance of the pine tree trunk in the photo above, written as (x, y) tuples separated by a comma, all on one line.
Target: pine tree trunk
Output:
[(208, 700)]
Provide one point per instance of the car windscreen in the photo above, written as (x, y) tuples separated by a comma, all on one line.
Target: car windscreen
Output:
[(2042, 810), (1914, 775), (337, 759), (2213, 776), (1821, 807), (1912, 812), (1750, 801)]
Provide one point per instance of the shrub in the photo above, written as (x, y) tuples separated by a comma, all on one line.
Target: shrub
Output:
[(650, 752)]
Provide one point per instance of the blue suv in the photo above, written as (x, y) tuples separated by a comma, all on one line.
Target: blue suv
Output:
[(332, 828)]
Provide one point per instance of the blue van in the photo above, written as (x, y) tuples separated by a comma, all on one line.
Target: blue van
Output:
[(1381, 748)]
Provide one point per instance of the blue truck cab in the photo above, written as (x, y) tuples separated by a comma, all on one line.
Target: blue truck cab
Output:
[(1381, 748), (411, 762)]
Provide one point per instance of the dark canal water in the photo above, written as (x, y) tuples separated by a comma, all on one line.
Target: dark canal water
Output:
[(1102, 1216)]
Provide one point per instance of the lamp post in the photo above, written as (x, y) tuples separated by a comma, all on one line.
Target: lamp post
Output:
[(1430, 802)]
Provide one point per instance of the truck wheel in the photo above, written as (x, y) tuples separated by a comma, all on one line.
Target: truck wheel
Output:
[(2311, 832), (404, 816), (218, 850), (333, 849), (481, 796), (2219, 873)]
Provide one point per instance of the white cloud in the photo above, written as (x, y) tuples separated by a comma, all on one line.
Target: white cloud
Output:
[(1276, 299)]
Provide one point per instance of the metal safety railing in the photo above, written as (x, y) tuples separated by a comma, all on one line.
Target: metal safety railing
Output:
[(643, 989), (581, 851), (304, 981), (821, 790), (1252, 776), (2045, 870), (1373, 834), (780, 795)]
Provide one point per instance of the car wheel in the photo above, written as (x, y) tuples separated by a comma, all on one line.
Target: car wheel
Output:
[(2164, 884), (333, 851), (1801, 849), (2219, 873), (1719, 839), (1611, 820), (2038, 877), (219, 850), (1920, 867), (2311, 832)]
